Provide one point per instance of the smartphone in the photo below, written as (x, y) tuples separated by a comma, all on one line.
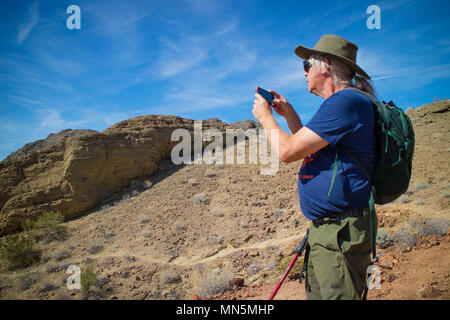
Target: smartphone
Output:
[(265, 94)]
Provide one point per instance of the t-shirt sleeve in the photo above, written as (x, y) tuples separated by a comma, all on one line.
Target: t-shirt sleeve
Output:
[(335, 119)]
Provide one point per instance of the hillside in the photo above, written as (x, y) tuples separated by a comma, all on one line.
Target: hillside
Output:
[(190, 231)]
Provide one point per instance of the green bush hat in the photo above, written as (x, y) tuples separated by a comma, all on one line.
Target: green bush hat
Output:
[(335, 46)]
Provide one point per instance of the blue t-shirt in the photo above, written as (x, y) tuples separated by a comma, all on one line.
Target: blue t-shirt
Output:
[(347, 119)]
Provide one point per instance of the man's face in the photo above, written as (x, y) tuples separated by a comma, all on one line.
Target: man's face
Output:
[(315, 79)]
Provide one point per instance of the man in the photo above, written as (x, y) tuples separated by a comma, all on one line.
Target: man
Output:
[(333, 190)]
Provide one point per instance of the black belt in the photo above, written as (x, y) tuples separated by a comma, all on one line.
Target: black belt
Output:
[(350, 213)]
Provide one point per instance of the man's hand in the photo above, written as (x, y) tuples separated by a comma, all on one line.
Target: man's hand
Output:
[(281, 106), (261, 108)]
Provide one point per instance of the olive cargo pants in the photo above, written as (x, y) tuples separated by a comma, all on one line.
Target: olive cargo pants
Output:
[(338, 258)]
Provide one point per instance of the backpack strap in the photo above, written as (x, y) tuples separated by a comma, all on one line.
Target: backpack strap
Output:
[(368, 95), (373, 216)]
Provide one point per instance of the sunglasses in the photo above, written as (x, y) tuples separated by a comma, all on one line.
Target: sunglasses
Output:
[(306, 65)]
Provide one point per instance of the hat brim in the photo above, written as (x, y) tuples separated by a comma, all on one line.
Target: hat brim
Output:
[(305, 53)]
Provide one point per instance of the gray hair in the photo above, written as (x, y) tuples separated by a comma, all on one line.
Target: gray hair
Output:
[(341, 73)]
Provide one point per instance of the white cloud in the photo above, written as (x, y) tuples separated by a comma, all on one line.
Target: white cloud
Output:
[(32, 20)]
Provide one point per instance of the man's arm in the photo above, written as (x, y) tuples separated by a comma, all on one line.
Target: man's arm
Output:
[(292, 148), (289, 148), (294, 122)]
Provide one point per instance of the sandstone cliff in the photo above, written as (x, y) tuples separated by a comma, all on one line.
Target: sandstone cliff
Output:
[(73, 170)]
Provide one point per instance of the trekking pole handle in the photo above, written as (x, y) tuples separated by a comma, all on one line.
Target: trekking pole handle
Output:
[(298, 252), (302, 245)]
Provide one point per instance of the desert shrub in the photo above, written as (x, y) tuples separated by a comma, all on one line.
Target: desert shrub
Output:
[(180, 227), (87, 278), (18, 251), (217, 240), (404, 199), (27, 280), (144, 219), (61, 255), (46, 286), (216, 212), (170, 277), (384, 238), (94, 248), (51, 267), (128, 257), (107, 262), (48, 219), (430, 226), (254, 268), (146, 234), (408, 234), (284, 263), (215, 282), (420, 186), (404, 237), (47, 227)]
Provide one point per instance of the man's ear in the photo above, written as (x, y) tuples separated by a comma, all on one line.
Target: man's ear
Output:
[(328, 64)]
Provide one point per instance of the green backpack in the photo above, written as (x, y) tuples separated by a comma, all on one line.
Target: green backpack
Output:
[(394, 154), (394, 151)]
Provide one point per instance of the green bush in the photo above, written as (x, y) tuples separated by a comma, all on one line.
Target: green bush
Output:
[(47, 227), (286, 260), (384, 238), (88, 278), (18, 251)]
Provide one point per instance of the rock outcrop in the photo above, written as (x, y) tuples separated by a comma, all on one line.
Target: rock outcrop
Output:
[(73, 170)]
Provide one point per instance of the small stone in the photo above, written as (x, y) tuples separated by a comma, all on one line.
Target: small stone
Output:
[(253, 253), (387, 262), (192, 182), (210, 173), (429, 292), (390, 277), (294, 276), (194, 297), (200, 198), (109, 234), (239, 282)]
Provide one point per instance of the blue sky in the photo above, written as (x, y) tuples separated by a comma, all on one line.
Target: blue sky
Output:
[(199, 59)]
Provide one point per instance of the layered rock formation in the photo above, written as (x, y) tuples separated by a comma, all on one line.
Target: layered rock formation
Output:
[(73, 170)]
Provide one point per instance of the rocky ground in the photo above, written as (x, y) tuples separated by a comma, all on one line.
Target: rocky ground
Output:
[(225, 232)]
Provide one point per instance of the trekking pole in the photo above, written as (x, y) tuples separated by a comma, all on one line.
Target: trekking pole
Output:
[(298, 253)]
